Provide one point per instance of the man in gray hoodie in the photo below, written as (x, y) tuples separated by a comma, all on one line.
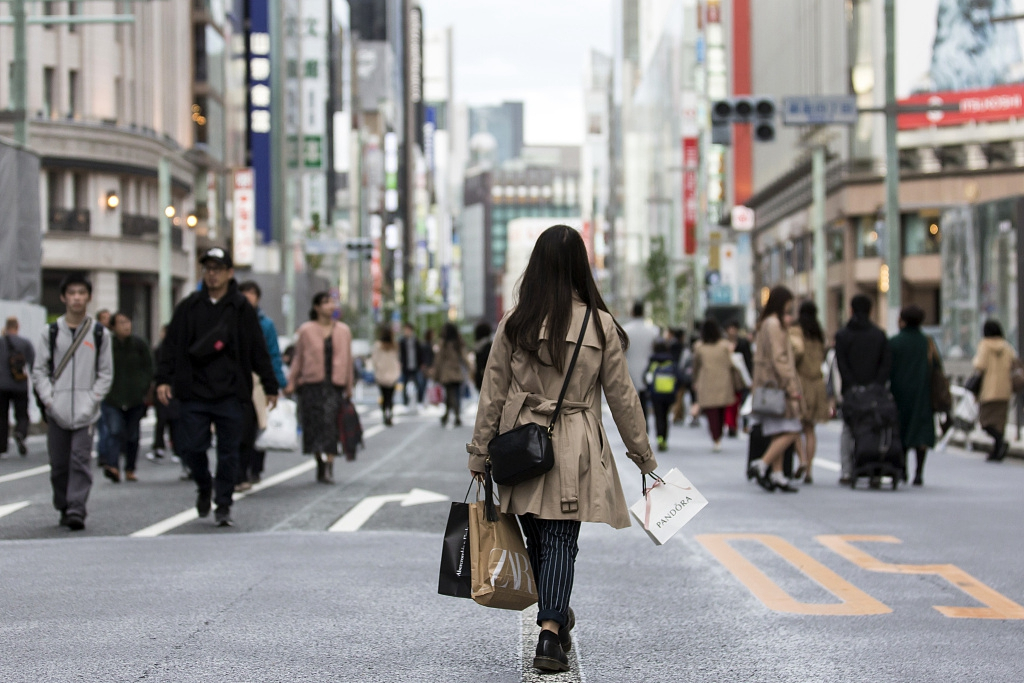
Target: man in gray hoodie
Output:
[(72, 374)]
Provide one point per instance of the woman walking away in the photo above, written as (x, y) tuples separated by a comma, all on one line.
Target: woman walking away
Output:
[(323, 373), (528, 364), (808, 342), (450, 366), (712, 378), (910, 384), (995, 360), (774, 368), (387, 369)]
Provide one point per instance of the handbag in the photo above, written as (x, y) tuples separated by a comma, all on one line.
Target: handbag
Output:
[(768, 401), (1017, 376), (942, 399), (499, 564), (526, 452), (350, 429), (973, 383), (667, 505), (455, 577)]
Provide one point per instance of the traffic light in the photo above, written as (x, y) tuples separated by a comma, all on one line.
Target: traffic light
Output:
[(756, 110)]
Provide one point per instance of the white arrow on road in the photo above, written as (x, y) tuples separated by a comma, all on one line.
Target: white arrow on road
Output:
[(365, 508), (11, 508)]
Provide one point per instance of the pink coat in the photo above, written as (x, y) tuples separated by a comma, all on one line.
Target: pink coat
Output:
[(308, 364)]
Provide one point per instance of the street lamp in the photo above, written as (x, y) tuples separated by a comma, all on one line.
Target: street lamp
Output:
[(169, 212), (113, 201)]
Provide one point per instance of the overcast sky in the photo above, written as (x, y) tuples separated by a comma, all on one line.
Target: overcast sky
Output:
[(529, 50)]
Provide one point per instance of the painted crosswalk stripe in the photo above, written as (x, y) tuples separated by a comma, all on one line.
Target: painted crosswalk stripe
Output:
[(24, 474)]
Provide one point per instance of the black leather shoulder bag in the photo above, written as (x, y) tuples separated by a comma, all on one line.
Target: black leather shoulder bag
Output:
[(525, 452)]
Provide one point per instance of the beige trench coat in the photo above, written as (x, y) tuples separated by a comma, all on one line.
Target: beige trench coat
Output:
[(712, 374), (809, 355), (774, 365), (584, 483)]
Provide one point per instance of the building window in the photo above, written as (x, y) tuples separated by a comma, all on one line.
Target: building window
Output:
[(311, 68), (54, 194), (72, 11), (868, 238), (835, 243), (49, 10), (922, 233), (72, 94), (48, 88), (81, 190), (118, 99)]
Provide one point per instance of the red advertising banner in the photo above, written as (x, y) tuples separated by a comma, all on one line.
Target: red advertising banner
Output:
[(691, 158), (991, 104)]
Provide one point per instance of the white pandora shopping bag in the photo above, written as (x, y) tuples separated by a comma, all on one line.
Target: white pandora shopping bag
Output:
[(668, 505)]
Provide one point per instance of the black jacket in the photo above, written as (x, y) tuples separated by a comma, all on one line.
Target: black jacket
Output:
[(246, 351), (862, 354), (403, 352)]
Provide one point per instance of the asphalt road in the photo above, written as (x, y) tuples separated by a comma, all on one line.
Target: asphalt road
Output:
[(759, 587)]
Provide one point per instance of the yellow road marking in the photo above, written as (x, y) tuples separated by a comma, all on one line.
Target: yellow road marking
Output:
[(854, 600), (997, 606)]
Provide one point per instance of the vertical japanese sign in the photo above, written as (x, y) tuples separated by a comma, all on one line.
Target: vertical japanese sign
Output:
[(244, 230), (259, 116), (690, 161)]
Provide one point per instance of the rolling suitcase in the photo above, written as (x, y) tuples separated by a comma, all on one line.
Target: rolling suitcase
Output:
[(758, 444), (873, 419)]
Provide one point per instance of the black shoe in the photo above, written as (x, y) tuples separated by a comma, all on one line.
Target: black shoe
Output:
[(564, 637), (223, 516), (75, 522), (550, 656), (918, 480), (733, 434), (63, 518), (254, 479), (112, 473), (785, 487), (458, 422), (20, 441), (203, 503)]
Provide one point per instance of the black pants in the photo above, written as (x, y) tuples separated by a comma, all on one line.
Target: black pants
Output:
[(162, 425), (193, 429), (452, 399), (661, 407), (387, 399), (552, 546), (20, 401), (250, 460)]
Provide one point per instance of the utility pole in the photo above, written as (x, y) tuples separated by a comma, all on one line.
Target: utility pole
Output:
[(279, 200), (893, 236), (818, 225)]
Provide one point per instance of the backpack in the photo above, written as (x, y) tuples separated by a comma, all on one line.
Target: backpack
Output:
[(662, 378), (16, 362)]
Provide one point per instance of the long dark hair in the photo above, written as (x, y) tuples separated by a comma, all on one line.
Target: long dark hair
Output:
[(992, 329), (808, 319), (386, 337), (710, 332), (318, 299), (450, 335), (558, 268), (778, 299)]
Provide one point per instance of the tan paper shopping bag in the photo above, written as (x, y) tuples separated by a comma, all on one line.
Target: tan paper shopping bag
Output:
[(500, 567)]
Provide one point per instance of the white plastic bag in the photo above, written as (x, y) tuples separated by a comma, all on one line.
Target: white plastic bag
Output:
[(282, 432)]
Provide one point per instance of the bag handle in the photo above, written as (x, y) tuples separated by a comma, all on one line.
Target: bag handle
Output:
[(568, 375)]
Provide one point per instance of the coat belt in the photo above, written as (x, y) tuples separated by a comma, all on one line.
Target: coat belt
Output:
[(567, 432)]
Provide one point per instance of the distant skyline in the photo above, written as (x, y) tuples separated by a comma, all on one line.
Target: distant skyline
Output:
[(532, 51)]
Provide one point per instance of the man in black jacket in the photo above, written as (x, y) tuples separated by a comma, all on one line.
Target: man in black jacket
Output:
[(863, 359), (213, 346)]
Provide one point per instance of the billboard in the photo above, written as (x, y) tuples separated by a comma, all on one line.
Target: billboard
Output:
[(952, 52)]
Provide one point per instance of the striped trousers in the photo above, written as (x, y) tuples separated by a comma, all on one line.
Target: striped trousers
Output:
[(552, 546)]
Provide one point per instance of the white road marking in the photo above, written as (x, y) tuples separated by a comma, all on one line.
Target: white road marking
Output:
[(186, 516), (827, 464), (12, 507), (23, 474), (367, 507)]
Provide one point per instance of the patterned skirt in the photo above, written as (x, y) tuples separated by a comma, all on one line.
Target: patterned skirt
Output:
[(318, 412)]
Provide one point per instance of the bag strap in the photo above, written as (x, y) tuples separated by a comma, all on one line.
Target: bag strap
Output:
[(83, 329), (568, 374)]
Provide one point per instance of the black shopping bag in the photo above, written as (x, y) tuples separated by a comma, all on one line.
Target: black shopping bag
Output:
[(455, 577)]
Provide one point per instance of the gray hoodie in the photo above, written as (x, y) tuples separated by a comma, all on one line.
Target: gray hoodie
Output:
[(74, 402)]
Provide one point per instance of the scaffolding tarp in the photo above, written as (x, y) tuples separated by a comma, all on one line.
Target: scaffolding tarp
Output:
[(21, 249)]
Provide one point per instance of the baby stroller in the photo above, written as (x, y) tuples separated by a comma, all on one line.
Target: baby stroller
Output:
[(964, 416)]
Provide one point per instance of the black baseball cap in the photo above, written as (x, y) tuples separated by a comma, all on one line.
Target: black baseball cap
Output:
[(217, 255)]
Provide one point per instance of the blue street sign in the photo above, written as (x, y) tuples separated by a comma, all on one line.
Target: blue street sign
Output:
[(823, 110)]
